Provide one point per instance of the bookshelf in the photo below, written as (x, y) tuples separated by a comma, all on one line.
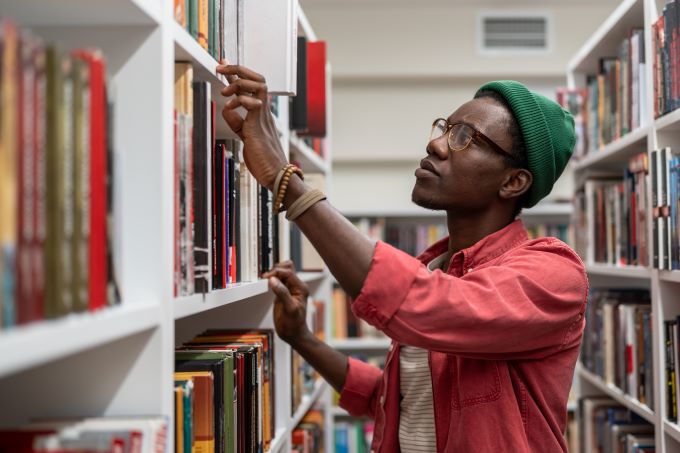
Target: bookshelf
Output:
[(653, 133), (119, 361)]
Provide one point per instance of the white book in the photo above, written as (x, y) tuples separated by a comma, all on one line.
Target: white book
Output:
[(608, 339), (590, 405)]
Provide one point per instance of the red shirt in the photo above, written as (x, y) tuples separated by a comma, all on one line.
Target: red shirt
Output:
[(503, 328)]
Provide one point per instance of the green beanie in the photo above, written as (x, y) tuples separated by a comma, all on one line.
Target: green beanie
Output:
[(548, 132)]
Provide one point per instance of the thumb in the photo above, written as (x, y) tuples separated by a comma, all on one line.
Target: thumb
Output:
[(282, 293)]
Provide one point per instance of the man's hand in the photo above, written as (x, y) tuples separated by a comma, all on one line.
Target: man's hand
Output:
[(290, 307), (262, 150)]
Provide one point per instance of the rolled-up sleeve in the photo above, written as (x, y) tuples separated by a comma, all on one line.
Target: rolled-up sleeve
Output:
[(359, 395), (529, 304)]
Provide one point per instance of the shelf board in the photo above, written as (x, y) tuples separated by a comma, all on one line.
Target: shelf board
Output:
[(607, 38), (361, 344), (309, 161), (198, 303), (637, 272), (672, 429), (187, 49), (669, 122), (549, 209), (616, 393), (337, 411), (82, 12), (307, 402), (26, 346), (617, 152), (279, 440), (670, 276)]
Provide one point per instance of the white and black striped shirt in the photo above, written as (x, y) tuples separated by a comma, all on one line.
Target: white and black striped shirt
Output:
[(416, 419)]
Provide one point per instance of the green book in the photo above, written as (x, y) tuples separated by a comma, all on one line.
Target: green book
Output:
[(188, 397), (54, 183), (226, 360), (193, 18), (211, 27)]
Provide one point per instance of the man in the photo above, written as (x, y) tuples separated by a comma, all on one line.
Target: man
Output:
[(486, 324)]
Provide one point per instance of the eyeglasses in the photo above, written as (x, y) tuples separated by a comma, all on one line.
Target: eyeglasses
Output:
[(460, 136)]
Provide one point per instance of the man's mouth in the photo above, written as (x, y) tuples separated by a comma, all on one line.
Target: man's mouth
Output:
[(426, 166)]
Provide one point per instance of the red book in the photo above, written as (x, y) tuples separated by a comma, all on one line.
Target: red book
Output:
[(97, 259), (316, 89), (176, 240)]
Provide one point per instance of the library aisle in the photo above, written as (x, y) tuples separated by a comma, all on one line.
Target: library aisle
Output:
[(133, 239)]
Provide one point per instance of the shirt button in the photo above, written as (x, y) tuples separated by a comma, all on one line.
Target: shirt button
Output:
[(469, 270), (382, 400), (391, 347)]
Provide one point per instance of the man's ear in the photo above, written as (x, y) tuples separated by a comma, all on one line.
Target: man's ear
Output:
[(517, 182)]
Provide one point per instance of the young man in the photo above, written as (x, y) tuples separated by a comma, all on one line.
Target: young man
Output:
[(485, 324)]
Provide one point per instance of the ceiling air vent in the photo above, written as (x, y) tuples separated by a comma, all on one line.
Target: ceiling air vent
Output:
[(514, 33)]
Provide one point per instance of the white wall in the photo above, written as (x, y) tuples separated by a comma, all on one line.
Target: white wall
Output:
[(398, 65)]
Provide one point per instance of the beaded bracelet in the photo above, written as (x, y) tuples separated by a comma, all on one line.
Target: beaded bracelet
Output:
[(283, 181)]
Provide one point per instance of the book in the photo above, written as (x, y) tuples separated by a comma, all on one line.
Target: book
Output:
[(203, 411), (201, 149), (184, 411)]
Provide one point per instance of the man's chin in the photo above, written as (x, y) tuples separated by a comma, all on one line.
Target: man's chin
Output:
[(425, 201)]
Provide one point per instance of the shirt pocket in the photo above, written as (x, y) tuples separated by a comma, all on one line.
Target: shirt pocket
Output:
[(474, 382)]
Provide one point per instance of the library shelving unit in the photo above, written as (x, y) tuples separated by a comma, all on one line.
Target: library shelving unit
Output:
[(652, 134), (120, 361)]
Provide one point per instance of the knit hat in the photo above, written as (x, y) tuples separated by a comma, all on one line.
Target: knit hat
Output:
[(548, 132)]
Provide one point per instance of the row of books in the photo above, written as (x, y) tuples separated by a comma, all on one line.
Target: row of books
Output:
[(55, 180), (308, 435), (413, 237), (224, 392), (92, 435), (344, 324), (561, 231), (225, 229), (616, 102), (353, 436), (617, 341), (672, 361), (665, 73), (672, 364), (303, 376), (606, 426), (217, 25), (613, 209), (665, 176)]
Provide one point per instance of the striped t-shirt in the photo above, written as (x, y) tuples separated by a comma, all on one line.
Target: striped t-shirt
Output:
[(416, 419)]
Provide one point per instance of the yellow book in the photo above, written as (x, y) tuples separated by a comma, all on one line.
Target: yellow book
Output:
[(179, 420), (204, 409), (203, 28)]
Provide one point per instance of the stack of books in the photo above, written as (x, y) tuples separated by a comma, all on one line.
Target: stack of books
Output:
[(225, 228), (225, 393), (353, 436), (605, 426), (613, 207), (665, 181), (616, 101), (217, 25), (665, 57), (307, 436), (617, 341), (93, 435), (55, 180)]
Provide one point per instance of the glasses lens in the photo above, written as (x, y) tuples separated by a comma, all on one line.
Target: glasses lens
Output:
[(460, 137), (439, 128)]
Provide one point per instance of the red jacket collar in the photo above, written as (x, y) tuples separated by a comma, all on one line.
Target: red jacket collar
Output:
[(486, 249)]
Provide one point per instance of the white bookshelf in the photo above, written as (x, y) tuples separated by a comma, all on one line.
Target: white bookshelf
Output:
[(654, 133), (120, 360)]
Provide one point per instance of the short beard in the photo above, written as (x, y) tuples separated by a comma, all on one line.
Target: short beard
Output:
[(427, 203)]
